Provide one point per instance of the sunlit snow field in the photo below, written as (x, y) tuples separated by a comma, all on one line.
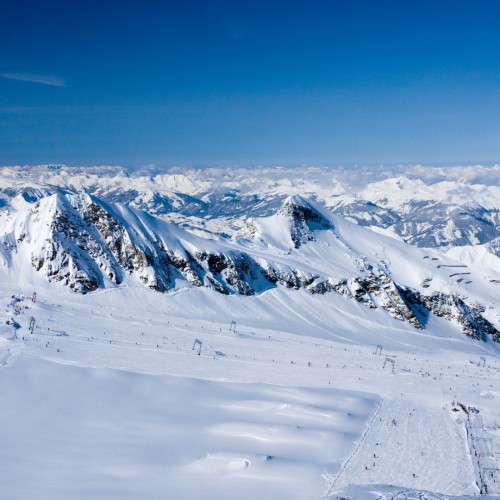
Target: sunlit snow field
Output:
[(107, 398)]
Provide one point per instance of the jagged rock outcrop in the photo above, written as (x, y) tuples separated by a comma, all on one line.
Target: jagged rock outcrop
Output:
[(289, 277), (234, 272), (414, 307), (392, 299), (84, 246), (468, 316), (304, 219)]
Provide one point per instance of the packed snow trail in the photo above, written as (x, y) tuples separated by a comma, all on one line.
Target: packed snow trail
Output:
[(345, 464), (403, 448)]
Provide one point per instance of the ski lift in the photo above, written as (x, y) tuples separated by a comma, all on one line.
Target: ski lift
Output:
[(198, 343), (391, 361)]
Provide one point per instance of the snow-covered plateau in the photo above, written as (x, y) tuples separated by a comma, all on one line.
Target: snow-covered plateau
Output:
[(266, 334)]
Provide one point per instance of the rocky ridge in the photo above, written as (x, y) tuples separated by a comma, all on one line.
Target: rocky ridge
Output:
[(84, 243)]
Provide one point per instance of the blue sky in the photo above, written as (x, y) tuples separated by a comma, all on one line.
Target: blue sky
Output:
[(261, 82)]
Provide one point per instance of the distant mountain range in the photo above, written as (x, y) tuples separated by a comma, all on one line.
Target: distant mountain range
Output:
[(432, 208)]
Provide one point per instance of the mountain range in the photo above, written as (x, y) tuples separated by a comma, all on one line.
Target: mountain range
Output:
[(82, 242), (427, 207)]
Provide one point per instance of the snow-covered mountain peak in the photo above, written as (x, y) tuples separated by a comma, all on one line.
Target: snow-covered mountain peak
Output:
[(294, 223), (296, 201), (303, 219)]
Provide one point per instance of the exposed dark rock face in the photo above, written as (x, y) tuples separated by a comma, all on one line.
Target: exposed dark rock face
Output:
[(469, 317), (304, 220), (414, 307), (236, 272), (287, 277), (361, 288)]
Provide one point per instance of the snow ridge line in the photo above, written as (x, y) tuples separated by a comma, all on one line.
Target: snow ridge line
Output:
[(344, 465)]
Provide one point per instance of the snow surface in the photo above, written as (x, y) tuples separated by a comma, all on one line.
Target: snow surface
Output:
[(107, 399), (477, 255)]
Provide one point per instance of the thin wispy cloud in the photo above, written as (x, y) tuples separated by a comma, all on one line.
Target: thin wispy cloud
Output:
[(54, 81)]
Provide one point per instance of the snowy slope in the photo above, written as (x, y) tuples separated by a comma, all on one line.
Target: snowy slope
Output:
[(141, 436), (107, 398), (486, 256)]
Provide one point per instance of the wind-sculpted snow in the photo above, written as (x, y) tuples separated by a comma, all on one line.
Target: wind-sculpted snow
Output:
[(115, 434), (87, 244)]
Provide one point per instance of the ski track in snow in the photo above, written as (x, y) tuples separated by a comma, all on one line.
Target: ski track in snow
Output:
[(413, 447), (345, 464)]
